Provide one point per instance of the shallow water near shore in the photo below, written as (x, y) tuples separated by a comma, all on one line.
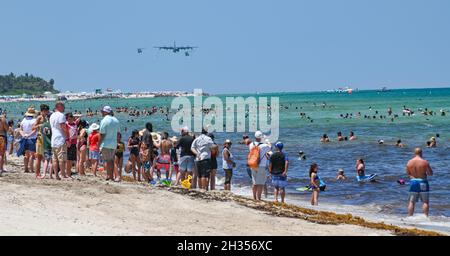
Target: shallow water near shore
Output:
[(384, 199)]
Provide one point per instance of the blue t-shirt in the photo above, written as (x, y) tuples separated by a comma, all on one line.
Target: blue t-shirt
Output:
[(109, 127)]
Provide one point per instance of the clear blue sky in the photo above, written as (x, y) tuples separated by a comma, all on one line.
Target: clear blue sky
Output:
[(245, 45)]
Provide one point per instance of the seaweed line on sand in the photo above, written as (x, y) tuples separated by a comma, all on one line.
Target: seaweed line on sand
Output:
[(275, 209), (293, 211)]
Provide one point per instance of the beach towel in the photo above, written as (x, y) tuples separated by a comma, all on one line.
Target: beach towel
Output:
[(21, 150)]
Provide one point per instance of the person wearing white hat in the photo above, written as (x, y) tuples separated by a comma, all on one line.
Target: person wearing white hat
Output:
[(259, 172), (94, 148), (109, 127), (29, 134)]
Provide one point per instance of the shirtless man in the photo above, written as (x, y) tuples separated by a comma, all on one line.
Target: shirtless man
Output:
[(418, 169), (3, 139)]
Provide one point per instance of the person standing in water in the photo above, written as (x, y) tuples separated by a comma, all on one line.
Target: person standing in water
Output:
[(201, 147), (278, 168), (315, 183), (259, 168), (214, 153), (418, 169), (360, 167), (227, 163)]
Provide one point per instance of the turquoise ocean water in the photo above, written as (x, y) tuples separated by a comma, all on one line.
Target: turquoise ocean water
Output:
[(385, 196)]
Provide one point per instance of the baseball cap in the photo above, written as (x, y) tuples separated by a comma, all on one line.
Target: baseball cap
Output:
[(185, 129), (258, 135), (279, 145), (107, 109)]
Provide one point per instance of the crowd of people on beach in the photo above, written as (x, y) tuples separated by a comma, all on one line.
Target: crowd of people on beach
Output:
[(58, 142)]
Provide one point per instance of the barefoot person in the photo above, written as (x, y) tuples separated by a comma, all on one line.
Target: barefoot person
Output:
[(3, 138), (257, 161), (109, 127), (163, 160), (134, 164), (315, 183), (60, 134), (201, 147), (82, 146), (94, 148), (227, 163), (214, 153), (118, 161), (186, 155), (278, 168), (29, 134), (418, 169), (40, 120), (47, 137), (72, 127)]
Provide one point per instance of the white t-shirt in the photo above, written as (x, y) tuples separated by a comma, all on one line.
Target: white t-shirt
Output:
[(27, 127), (263, 149), (58, 135), (203, 145)]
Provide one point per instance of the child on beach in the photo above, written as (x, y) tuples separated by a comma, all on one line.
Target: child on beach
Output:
[(341, 175), (47, 134), (315, 183), (118, 159), (146, 162), (72, 127), (94, 147)]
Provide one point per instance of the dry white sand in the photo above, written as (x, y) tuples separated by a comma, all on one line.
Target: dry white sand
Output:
[(91, 206)]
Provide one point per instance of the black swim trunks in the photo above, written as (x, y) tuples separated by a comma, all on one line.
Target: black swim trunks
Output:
[(72, 152), (204, 168)]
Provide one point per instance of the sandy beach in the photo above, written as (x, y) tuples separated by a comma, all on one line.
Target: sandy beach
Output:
[(92, 206)]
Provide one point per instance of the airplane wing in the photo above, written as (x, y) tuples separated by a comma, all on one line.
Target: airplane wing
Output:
[(164, 47), (187, 48)]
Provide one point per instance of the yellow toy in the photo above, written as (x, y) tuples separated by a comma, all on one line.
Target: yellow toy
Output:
[(187, 182)]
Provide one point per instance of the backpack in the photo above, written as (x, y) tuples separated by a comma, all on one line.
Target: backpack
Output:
[(254, 157)]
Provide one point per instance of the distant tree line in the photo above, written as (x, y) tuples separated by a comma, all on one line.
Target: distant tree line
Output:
[(25, 84)]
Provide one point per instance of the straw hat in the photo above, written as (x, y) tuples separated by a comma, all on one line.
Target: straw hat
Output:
[(156, 136), (30, 112)]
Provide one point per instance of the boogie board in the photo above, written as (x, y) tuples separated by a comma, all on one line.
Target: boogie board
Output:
[(366, 178), (322, 186)]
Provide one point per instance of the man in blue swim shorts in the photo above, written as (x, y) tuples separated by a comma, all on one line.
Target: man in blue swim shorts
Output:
[(418, 170)]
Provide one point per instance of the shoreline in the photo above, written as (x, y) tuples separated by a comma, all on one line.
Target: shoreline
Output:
[(92, 206)]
